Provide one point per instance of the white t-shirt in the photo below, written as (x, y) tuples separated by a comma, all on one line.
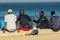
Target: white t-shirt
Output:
[(10, 19)]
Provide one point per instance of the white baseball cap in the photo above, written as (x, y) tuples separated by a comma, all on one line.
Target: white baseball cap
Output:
[(9, 10)]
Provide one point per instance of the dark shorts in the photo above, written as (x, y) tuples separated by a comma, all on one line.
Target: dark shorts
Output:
[(55, 28), (9, 30)]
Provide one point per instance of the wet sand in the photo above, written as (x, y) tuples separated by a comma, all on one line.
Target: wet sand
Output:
[(44, 34)]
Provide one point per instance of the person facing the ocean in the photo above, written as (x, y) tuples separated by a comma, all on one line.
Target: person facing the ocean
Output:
[(42, 22), (54, 21), (10, 21), (25, 21)]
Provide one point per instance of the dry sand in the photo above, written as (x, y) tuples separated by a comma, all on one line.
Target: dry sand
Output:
[(44, 34)]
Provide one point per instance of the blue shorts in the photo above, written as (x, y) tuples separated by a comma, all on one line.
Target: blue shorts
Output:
[(1, 24)]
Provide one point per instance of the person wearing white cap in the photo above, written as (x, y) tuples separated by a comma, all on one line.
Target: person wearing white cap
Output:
[(10, 21), (9, 10)]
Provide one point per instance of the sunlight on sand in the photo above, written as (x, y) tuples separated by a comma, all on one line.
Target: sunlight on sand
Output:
[(44, 34)]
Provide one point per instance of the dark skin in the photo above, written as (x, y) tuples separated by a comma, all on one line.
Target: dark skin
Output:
[(40, 14), (21, 12)]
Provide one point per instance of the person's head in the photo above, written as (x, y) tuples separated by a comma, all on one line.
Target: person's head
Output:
[(41, 13), (52, 13), (9, 11), (21, 11)]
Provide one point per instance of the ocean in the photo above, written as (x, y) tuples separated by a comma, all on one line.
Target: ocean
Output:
[(31, 9)]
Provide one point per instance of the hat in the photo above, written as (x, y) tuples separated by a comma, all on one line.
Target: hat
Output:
[(9, 10)]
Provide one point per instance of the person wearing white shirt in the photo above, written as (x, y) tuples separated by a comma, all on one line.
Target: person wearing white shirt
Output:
[(10, 21)]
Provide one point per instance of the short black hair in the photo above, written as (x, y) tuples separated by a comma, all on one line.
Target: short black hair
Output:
[(42, 12), (21, 10), (9, 13), (52, 12)]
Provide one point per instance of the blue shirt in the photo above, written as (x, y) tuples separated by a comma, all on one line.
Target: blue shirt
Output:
[(24, 20), (54, 21)]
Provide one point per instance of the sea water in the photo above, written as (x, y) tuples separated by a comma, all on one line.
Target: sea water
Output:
[(31, 9)]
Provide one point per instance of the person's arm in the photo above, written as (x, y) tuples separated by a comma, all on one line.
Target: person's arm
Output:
[(59, 20), (50, 23), (38, 22), (17, 22), (46, 21), (35, 21), (5, 24), (45, 18), (5, 27), (17, 26), (31, 21)]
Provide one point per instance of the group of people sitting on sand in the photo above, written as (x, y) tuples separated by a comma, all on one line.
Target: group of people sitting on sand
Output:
[(12, 23)]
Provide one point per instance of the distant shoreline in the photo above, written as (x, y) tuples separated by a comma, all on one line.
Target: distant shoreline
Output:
[(29, 2)]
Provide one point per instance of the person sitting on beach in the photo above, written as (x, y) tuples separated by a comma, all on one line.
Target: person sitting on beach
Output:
[(42, 22), (54, 21), (10, 22), (25, 21)]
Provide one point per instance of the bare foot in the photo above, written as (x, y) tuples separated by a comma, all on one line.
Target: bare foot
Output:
[(18, 31), (3, 31)]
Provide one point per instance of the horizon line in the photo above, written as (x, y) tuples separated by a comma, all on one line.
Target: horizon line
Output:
[(29, 2)]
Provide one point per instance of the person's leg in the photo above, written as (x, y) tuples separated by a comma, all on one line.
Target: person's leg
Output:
[(4, 30), (56, 28), (34, 31), (38, 26), (20, 27), (24, 28), (12, 30), (17, 30)]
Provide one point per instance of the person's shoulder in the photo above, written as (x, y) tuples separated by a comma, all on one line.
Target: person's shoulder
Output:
[(13, 14), (26, 15), (6, 15), (45, 17), (56, 16)]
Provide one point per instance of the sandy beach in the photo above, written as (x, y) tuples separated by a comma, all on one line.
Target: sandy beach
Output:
[(44, 34)]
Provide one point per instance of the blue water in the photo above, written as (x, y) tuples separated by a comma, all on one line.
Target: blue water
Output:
[(31, 9)]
